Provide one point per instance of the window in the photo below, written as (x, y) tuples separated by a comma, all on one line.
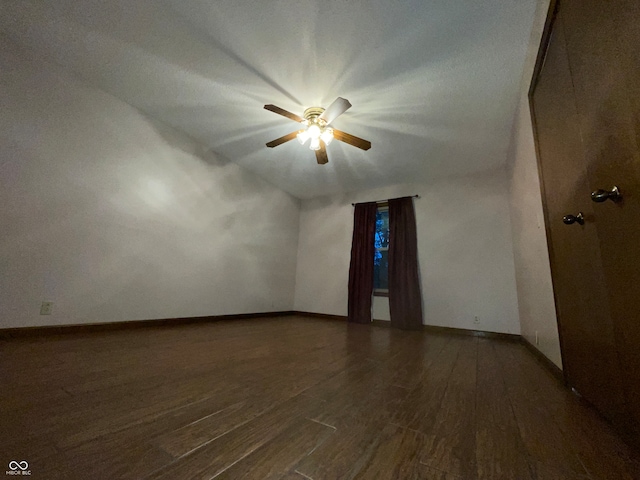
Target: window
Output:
[(380, 258)]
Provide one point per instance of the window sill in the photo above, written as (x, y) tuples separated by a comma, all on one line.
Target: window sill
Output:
[(381, 293)]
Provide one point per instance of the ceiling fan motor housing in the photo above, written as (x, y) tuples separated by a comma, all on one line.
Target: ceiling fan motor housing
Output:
[(311, 114)]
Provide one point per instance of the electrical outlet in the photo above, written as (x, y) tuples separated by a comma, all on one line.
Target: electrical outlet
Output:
[(46, 308), (476, 320)]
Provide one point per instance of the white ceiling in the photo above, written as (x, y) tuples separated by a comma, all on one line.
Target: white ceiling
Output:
[(433, 83)]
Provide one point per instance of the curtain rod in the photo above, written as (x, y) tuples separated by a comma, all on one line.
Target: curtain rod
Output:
[(383, 201)]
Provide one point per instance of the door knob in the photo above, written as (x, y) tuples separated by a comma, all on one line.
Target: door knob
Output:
[(571, 219), (600, 195)]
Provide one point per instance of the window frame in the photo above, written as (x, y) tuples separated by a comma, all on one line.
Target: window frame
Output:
[(381, 292)]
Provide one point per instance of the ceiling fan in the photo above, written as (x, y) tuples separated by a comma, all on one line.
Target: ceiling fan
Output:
[(317, 121)]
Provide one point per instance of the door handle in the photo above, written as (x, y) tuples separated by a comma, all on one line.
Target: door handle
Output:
[(571, 219), (600, 195)]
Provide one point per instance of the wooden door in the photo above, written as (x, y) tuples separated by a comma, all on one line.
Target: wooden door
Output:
[(603, 39), (586, 108), (586, 329)]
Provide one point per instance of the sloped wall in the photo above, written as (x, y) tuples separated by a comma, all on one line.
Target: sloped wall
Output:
[(114, 217)]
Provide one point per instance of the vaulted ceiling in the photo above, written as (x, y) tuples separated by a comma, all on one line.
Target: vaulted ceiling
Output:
[(433, 83)]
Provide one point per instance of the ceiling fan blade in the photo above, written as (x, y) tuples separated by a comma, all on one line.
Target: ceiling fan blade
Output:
[(337, 108), (284, 113), (321, 155), (351, 139), (281, 140)]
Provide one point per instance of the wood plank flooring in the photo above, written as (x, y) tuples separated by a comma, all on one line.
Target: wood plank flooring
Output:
[(294, 398)]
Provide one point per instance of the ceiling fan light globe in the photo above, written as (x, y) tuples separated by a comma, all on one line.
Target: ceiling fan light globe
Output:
[(327, 136), (315, 143), (314, 131), (303, 136)]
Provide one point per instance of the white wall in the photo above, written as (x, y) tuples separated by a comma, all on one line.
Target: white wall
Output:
[(114, 217), (533, 275), (464, 249)]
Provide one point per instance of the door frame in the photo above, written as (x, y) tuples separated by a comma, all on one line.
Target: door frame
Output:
[(540, 59)]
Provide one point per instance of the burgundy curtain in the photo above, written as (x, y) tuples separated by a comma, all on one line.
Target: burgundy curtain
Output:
[(405, 298), (361, 267)]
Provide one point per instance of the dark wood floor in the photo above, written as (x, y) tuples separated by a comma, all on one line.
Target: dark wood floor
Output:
[(294, 398)]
